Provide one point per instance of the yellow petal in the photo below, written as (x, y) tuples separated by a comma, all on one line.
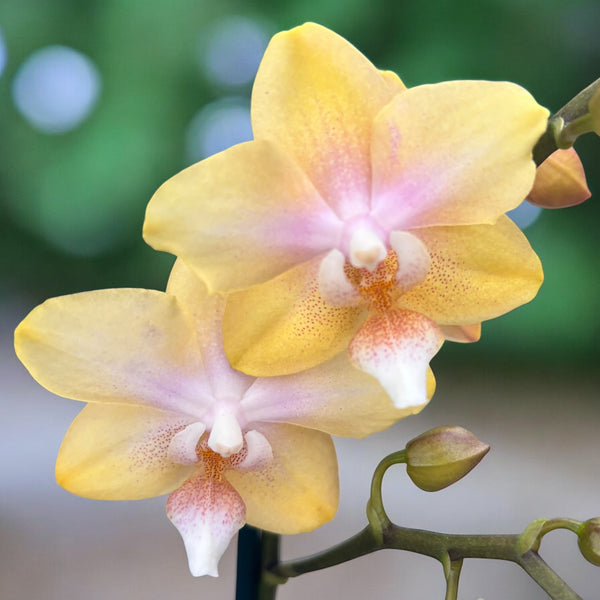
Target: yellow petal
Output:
[(206, 312), (120, 345), (284, 326), (395, 84), (241, 217), (316, 96), (477, 273), (298, 491), (118, 452), (560, 181), (461, 333), (454, 153), (334, 397)]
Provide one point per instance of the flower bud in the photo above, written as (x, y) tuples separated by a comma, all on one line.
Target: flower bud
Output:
[(441, 456), (560, 181), (589, 540)]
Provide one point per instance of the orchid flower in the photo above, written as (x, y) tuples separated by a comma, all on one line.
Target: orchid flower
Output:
[(168, 414), (362, 215)]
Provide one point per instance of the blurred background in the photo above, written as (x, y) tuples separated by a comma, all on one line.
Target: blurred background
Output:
[(101, 101)]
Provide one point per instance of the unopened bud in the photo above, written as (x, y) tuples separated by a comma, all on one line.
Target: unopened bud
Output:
[(441, 456), (560, 181), (589, 540)]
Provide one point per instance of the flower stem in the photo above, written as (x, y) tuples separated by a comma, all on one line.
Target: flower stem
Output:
[(561, 523), (440, 546), (545, 577), (565, 125), (378, 519), (452, 577), (362, 543)]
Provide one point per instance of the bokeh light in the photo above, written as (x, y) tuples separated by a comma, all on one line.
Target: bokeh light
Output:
[(2, 53), (56, 88), (218, 126), (525, 214), (231, 52)]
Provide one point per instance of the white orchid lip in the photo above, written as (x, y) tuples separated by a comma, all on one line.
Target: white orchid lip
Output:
[(207, 513), (396, 349)]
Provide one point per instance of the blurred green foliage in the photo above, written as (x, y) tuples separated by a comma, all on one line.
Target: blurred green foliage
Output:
[(73, 204)]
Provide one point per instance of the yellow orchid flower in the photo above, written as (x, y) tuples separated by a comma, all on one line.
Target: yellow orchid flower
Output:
[(362, 214), (168, 414)]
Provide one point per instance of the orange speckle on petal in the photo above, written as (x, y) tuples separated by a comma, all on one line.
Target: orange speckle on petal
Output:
[(378, 287), (213, 463)]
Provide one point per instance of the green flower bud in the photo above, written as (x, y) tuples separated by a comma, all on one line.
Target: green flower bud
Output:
[(589, 540), (441, 456)]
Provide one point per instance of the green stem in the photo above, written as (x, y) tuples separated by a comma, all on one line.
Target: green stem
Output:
[(560, 523), (376, 514), (440, 546), (362, 543), (545, 577), (566, 124), (444, 546), (452, 577)]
